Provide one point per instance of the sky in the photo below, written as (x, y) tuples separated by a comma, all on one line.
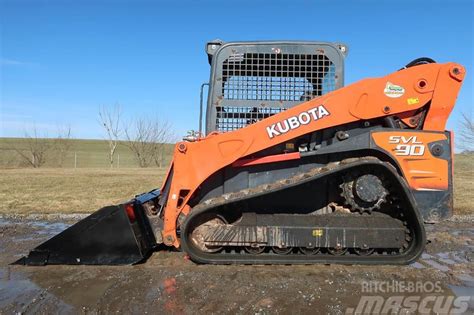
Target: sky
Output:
[(61, 60)]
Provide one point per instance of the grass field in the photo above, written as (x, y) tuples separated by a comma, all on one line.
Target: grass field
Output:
[(464, 183), (26, 191), (88, 154), (93, 184)]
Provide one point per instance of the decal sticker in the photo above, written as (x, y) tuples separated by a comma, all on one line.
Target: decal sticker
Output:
[(393, 90), (318, 233), (407, 146), (413, 100), (295, 122)]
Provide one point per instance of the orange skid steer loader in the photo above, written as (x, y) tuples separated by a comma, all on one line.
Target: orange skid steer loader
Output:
[(293, 167)]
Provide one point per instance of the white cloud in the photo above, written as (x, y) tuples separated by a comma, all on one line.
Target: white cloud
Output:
[(14, 62)]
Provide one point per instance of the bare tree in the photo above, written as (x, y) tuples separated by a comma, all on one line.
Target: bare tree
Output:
[(63, 144), (466, 133), (164, 135), (109, 118), (147, 140), (35, 149)]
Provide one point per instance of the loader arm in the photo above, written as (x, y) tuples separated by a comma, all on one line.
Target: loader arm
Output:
[(402, 93)]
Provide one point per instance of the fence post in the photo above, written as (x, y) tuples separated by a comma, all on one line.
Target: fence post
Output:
[(118, 160)]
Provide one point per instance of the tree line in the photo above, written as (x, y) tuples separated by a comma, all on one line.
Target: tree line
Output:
[(35, 149), (145, 137)]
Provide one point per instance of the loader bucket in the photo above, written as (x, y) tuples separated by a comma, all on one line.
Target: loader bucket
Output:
[(109, 236)]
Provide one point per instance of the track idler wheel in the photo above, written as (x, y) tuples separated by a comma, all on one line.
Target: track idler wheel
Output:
[(254, 250), (282, 250), (199, 233), (364, 251), (337, 251), (309, 250)]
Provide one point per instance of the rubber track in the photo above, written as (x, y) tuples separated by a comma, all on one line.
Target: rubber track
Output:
[(213, 205)]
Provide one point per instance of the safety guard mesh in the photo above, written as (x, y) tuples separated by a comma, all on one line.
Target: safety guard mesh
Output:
[(270, 78)]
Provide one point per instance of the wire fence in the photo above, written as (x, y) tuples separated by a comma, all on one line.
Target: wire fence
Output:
[(82, 154)]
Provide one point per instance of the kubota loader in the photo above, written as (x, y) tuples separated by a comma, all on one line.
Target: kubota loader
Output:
[(292, 167)]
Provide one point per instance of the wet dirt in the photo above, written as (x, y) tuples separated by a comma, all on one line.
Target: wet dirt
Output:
[(169, 283)]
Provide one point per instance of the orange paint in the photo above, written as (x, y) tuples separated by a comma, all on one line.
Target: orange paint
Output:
[(194, 162), (423, 171)]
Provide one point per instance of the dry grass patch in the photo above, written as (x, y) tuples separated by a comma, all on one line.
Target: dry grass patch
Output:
[(28, 191), (464, 184), (53, 190)]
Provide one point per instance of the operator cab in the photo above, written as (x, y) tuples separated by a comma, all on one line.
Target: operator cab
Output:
[(251, 81)]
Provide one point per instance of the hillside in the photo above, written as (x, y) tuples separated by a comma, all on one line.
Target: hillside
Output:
[(88, 154), (51, 189)]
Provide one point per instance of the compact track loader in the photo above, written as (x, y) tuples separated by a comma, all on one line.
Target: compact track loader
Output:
[(293, 167)]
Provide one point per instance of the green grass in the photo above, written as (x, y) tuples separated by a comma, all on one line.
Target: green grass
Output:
[(464, 183), (88, 153)]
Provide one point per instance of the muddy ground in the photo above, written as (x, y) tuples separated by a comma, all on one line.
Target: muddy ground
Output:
[(170, 283)]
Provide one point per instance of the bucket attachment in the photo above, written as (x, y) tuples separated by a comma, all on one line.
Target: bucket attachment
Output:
[(113, 235)]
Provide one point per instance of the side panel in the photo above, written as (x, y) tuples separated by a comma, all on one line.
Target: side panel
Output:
[(429, 175), (426, 163)]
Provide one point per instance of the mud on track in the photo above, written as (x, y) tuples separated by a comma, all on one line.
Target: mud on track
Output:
[(170, 283)]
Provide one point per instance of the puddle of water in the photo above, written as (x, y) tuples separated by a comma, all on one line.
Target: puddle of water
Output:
[(20, 233), (445, 258), (426, 256), (417, 265), (451, 258), (447, 261), (18, 295), (468, 280), (44, 227), (445, 255), (50, 290), (11, 290), (462, 231), (460, 257), (436, 265), (49, 227), (25, 239)]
